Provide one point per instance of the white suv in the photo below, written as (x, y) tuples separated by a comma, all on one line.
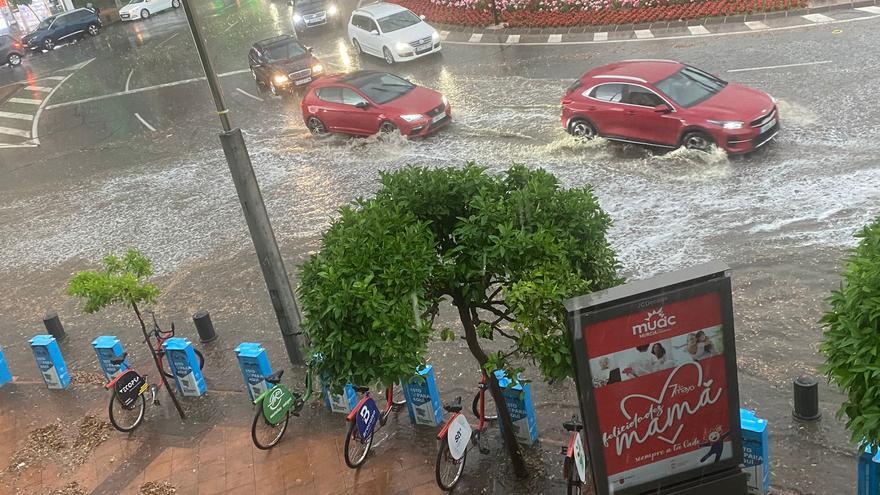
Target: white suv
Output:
[(392, 32)]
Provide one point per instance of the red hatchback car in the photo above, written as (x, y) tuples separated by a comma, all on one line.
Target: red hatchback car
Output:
[(365, 102), (668, 104)]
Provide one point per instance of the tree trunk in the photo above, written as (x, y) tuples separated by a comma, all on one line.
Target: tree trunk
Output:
[(470, 332), (156, 362)]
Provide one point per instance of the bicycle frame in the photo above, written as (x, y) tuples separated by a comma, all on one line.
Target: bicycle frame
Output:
[(389, 402), (299, 400), (482, 424)]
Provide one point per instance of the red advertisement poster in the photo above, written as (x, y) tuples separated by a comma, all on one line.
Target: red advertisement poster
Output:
[(660, 390)]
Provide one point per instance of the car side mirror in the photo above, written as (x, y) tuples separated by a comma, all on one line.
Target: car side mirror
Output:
[(374, 32), (422, 17), (662, 108), (362, 105), (309, 49)]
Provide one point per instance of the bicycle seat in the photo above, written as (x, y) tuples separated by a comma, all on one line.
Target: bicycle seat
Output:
[(119, 360), (573, 425), (361, 390), (275, 378), (455, 406)]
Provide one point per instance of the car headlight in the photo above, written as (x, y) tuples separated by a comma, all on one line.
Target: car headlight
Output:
[(403, 47), (435, 36), (773, 99), (445, 102), (280, 79), (297, 18), (332, 10), (412, 117), (317, 68), (727, 124)]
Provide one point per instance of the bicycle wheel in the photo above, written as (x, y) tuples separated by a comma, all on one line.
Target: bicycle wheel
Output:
[(166, 370), (398, 399), (490, 412), (264, 434), (356, 448), (126, 419), (448, 470)]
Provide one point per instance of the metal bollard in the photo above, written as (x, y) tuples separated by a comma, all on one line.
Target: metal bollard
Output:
[(806, 399), (204, 326), (54, 326)]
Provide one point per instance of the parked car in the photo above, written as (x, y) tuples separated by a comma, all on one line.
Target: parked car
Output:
[(61, 28), (282, 64), (11, 51), (367, 102), (313, 13), (667, 104), (143, 9), (392, 32)]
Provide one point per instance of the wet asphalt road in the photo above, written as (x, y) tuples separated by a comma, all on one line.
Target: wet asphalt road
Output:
[(101, 180)]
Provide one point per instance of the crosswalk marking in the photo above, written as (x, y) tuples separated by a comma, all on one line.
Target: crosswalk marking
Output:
[(444, 35), (513, 38), (15, 132), (19, 116), (38, 88), (26, 101), (555, 38), (54, 78), (644, 34), (871, 9), (476, 37), (600, 36), (817, 18), (697, 30), (755, 25)]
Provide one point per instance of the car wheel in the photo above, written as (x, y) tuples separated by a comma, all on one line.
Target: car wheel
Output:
[(145, 13), (581, 128), (13, 59), (48, 44), (175, 3), (699, 141), (93, 29), (315, 126), (357, 46), (389, 58), (387, 127)]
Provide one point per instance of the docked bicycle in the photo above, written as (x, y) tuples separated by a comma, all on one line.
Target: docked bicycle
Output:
[(364, 420), (574, 468), (274, 408), (128, 401)]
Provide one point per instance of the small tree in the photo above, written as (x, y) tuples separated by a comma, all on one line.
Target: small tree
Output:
[(851, 343), (122, 281), (506, 250)]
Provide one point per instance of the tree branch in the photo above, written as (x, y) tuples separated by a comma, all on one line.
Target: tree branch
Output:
[(500, 314)]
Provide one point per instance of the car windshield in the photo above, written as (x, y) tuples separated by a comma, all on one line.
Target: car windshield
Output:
[(400, 20), (46, 23), (382, 87), (690, 86), (285, 52)]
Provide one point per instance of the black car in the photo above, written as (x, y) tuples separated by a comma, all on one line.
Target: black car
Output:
[(62, 28), (282, 64), (313, 13), (11, 51)]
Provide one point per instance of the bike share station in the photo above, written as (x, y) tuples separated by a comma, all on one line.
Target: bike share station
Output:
[(668, 426)]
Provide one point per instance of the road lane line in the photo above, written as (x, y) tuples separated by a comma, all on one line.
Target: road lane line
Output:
[(128, 80), (39, 88), (18, 145), (768, 67), (513, 38), (248, 94), (817, 18), (643, 34), (19, 116), (600, 36), (56, 78), (555, 38), (146, 124), (35, 128), (15, 132), (25, 101), (166, 40), (870, 10), (698, 30), (476, 37), (756, 25)]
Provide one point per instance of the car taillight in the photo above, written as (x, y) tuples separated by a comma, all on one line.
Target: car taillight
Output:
[(566, 101), (16, 44)]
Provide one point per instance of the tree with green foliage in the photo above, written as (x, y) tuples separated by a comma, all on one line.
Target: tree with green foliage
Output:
[(121, 281), (505, 250), (851, 342)]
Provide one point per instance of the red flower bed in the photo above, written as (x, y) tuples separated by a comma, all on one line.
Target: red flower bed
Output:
[(638, 15)]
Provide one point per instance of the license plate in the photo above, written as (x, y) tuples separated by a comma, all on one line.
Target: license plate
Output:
[(303, 81), (423, 49), (769, 125), (124, 16), (438, 118)]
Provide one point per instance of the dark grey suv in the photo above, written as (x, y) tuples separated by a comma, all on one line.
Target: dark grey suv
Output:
[(11, 51), (62, 28)]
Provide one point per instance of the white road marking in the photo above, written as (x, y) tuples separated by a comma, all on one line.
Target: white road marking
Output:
[(35, 128), (644, 34), (166, 40), (444, 35), (25, 101), (15, 132), (601, 36), (18, 145), (756, 25), (56, 78), (38, 88), (79, 65), (476, 37), (128, 80), (870, 10), (230, 26), (555, 38), (248, 94), (19, 116), (513, 38), (698, 30), (146, 124), (818, 18), (768, 67)]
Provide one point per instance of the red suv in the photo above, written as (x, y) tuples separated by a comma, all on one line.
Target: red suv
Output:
[(367, 102), (668, 104)]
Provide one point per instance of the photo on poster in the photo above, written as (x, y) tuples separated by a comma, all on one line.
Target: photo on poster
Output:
[(698, 345), (632, 363)]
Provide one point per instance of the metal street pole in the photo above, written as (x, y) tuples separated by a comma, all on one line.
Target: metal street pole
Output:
[(274, 272)]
